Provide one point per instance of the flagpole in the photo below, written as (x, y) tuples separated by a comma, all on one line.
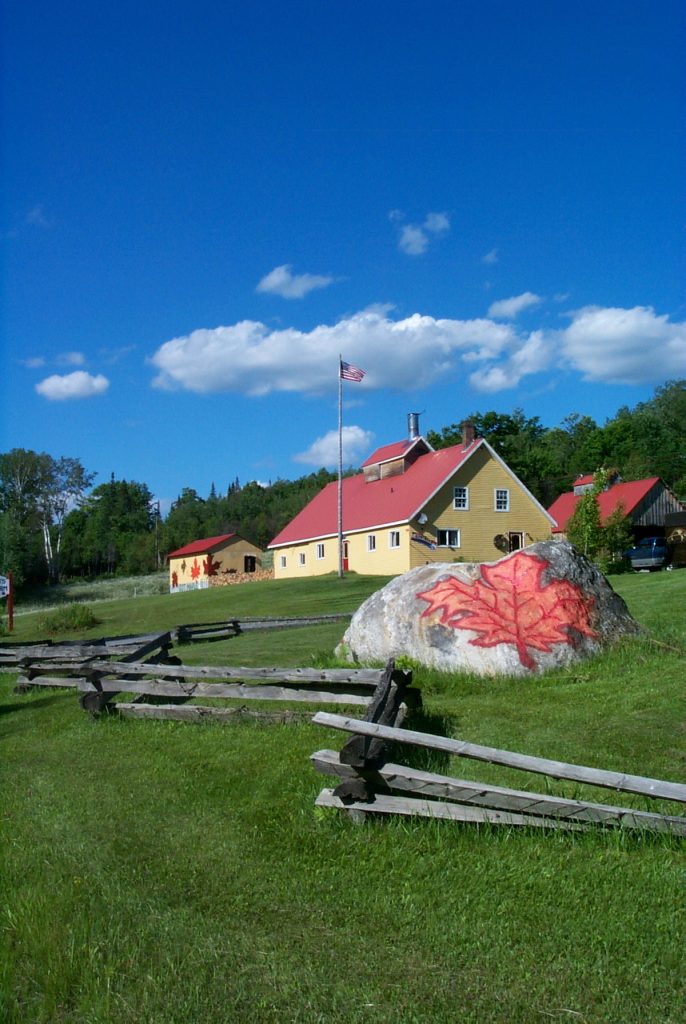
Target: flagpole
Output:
[(340, 467)]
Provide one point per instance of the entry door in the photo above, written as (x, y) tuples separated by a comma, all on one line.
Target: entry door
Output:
[(516, 541), (249, 563), (345, 556)]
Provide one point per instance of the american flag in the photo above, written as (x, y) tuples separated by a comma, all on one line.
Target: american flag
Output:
[(350, 372)]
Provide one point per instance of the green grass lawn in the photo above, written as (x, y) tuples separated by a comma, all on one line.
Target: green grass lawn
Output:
[(162, 873)]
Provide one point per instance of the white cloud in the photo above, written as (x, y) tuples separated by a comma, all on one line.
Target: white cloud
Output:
[(73, 385), (625, 346), (114, 355), (509, 309), (280, 281), (395, 215), (33, 362), (250, 359), (414, 238), (71, 359), (437, 223), (357, 443), (606, 345), (490, 257), (533, 354)]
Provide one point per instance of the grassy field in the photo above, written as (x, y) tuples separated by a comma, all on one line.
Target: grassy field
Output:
[(165, 873)]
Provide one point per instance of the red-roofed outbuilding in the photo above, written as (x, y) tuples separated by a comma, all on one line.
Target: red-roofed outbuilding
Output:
[(646, 503), (192, 566)]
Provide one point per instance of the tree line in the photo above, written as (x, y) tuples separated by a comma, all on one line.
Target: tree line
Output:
[(55, 525)]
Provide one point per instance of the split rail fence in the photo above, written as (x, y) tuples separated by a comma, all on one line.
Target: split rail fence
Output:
[(102, 670), (371, 785)]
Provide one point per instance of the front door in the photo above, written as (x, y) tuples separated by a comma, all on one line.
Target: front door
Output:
[(249, 563), (515, 541), (345, 556)]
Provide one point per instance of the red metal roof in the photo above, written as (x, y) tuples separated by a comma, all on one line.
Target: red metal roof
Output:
[(395, 499), (394, 451), (584, 479), (201, 547), (628, 494)]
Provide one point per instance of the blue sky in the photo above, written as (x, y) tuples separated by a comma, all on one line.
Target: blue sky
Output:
[(479, 203)]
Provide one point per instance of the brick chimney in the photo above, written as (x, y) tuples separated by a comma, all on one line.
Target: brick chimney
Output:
[(467, 433)]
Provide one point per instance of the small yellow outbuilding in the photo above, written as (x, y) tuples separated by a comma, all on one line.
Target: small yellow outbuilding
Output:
[(193, 566)]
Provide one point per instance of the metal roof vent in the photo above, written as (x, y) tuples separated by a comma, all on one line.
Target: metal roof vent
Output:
[(413, 425)]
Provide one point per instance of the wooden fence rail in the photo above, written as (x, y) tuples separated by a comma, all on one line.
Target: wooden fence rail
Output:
[(66, 653), (204, 632), (368, 786)]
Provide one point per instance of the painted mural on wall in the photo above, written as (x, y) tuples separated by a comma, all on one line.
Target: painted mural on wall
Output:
[(200, 573), (510, 604)]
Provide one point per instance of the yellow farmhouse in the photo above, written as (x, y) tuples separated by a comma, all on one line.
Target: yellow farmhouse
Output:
[(411, 505), (192, 566)]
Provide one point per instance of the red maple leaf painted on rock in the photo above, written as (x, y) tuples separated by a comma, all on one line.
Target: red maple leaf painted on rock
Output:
[(510, 605), (195, 569)]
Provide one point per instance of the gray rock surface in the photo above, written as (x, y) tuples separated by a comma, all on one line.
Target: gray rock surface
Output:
[(543, 607)]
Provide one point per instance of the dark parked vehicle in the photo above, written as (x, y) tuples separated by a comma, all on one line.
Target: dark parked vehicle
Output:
[(649, 553)]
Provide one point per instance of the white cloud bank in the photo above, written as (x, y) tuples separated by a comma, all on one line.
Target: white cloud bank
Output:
[(251, 359), (624, 346), (324, 451), (280, 281), (72, 385), (509, 309)]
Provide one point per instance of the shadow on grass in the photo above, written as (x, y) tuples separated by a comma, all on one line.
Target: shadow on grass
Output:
[(41, 702), (422, 720)]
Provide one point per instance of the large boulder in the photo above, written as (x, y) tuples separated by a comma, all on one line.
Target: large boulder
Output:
[(540, 608)]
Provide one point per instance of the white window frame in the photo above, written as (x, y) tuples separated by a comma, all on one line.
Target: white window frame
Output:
[(464, 497), (447, 543), (320, 551), (394, 539), (371, 542), (496, 499), (301, 558), (283, 561)]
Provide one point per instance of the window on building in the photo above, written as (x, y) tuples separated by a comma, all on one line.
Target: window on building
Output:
[(301, 558), (394, 539), (371, 542), (283, 561), (320, 550), (448, 538), (461, 498), (502, 499)]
